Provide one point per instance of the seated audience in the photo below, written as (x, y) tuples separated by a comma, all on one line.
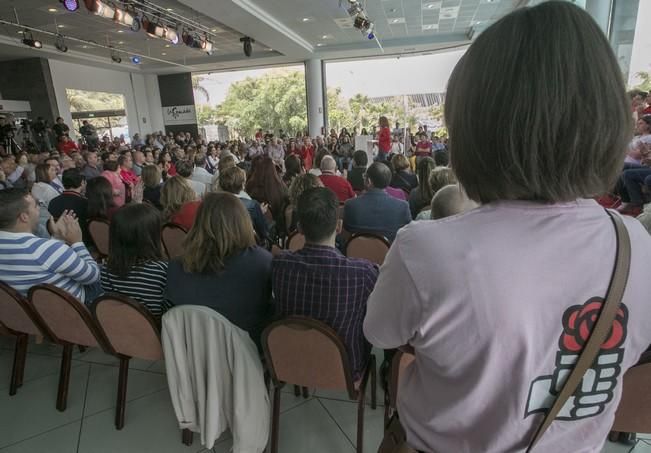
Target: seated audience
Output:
[(135, 265), (91, 168), (265, 186), (449, 201), (496, 303), (112, 174), (27, 260), (299, 185), (72, 199), (42, 190), (151, 179), (293, 168), (101, 202), (179, 201), (222, 268), (375, 211), (421, 196), (232, 181), (340, 186), (402, 177), (199, 173), (184, 169), (438, 178), (356, 174), (332, 288)]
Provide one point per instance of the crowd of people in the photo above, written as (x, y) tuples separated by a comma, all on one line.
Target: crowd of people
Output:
[(480, 297)]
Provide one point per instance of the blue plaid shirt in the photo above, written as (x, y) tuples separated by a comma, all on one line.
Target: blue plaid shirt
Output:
[(321, 283)]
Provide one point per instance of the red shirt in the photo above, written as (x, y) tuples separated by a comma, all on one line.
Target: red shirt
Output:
[(128, 176), (340, 186), (67, 147), (385, 140), (186, 215), (307, 154), (423, 148)]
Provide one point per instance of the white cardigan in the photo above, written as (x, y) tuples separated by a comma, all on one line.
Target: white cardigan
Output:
[(215, 378)]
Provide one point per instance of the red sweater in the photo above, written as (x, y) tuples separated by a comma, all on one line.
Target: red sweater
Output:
[(340, 186), (385, 140), (186, 215)]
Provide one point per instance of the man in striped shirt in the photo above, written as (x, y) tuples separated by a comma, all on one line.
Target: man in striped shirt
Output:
[(27, 260), (321, 283)]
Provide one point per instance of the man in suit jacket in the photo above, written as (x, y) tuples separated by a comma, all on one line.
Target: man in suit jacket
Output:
[(375, 211)]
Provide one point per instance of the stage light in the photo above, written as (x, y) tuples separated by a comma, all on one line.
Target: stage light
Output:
[(70, 5), (248, 48), (363, 24), (187, 38), (100, 8), (60, 44), (123, 17), (172, 35), (135, 26), (29, 40), (115, 56), (135, 59), (206, 45)]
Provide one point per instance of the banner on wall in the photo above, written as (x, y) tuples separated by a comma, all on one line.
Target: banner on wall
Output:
[(179, 114)]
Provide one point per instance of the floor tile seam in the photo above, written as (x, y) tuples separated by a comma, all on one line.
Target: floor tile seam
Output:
[(337, 423), (34, 379), (128, 402), (367, 404), (83, 409), (4, 447)]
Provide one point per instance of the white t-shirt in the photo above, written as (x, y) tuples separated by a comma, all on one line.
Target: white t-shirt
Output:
[(496, 302)]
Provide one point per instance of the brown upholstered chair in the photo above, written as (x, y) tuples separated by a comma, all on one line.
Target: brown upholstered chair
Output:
[(98, 229), (295, 241), (634, 411), (20, 320), (308, 353), (131, 331), (399, 362), (172, 237), (369, 246), (69, 323)]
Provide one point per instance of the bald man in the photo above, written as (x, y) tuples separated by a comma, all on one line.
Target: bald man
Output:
[(450, 200), (339, 185)]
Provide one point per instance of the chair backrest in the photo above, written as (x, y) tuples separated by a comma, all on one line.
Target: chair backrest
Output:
[(98, 229), (400, 361), (634, 411), (295, 241), (67, 319), (17, 314), (173, 236), (306, 352), (130, 328), (368, 246)]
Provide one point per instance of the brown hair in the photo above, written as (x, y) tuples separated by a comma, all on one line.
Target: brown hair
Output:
[(384, 122), (222, 229), (439, 178), (531, 135), (399, 162), (174, 194), (226, 162), (42, 172), (300, 184), (232, 180), (151, 176)]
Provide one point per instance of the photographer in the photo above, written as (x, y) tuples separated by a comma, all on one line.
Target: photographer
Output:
[(41, 136), (89, 133), (60, 128)]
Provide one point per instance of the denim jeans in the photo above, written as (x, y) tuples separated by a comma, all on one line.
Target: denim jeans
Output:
[(634, 179)]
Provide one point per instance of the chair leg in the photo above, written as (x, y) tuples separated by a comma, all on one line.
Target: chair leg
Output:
[(360, 420), (18, 369), (297, 390), (186, 437), (275, 420), (64, 377), (373, 383), (122, 393), (306, 393)]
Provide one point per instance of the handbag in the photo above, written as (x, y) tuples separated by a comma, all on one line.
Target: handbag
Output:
[(395, 438)]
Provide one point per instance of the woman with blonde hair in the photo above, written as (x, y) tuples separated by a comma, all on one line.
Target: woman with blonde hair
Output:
[(402, 177), (151, 179), (222, 266), (438, 178), (179, 202), (300, 184)]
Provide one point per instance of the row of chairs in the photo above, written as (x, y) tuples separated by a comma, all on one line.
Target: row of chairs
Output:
[(298, 351)]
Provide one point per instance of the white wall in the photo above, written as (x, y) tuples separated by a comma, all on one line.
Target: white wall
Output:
[(142, 98)]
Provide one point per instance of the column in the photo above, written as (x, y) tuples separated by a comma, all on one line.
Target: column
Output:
[(177, 100), (315, 93)]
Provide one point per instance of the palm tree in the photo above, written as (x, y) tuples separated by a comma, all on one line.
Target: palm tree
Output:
[(198, 88)]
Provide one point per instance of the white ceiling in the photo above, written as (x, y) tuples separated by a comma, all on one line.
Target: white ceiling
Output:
[(285, 31)]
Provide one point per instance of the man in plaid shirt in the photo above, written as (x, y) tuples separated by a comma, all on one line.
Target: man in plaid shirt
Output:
[(321, 283)]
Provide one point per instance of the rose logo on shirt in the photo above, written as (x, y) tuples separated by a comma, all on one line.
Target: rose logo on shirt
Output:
[(599, 382)]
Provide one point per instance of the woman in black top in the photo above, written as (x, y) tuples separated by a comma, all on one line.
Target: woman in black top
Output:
[(151, 178), (222, 268), (402, 177)]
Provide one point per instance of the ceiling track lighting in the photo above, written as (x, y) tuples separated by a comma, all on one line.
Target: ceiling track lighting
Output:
[(135, 59), (70, 5), (247, 44), (100, 8), (123, 17), (60, 43), (29, 40), (361, 20)]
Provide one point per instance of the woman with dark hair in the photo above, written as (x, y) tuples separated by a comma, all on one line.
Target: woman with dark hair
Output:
[(421, 196), (135, 265), (101, 204), (167, 167), (293, 168), (265, 186), (497, 303), (222, 267)]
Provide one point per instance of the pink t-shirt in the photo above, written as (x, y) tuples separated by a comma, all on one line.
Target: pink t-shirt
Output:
[(497, 303), (119, 191)]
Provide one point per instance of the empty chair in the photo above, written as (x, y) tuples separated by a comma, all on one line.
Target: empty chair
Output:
[(216, 379), (69, 323), (399, 363), (634, 411), (19, 320), (369, 246), (131, 331), (308, 353), (173, 236), (98, 229), (295, 241)]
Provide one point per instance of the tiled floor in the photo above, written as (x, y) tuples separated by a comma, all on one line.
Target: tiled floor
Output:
[(29, 422)]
